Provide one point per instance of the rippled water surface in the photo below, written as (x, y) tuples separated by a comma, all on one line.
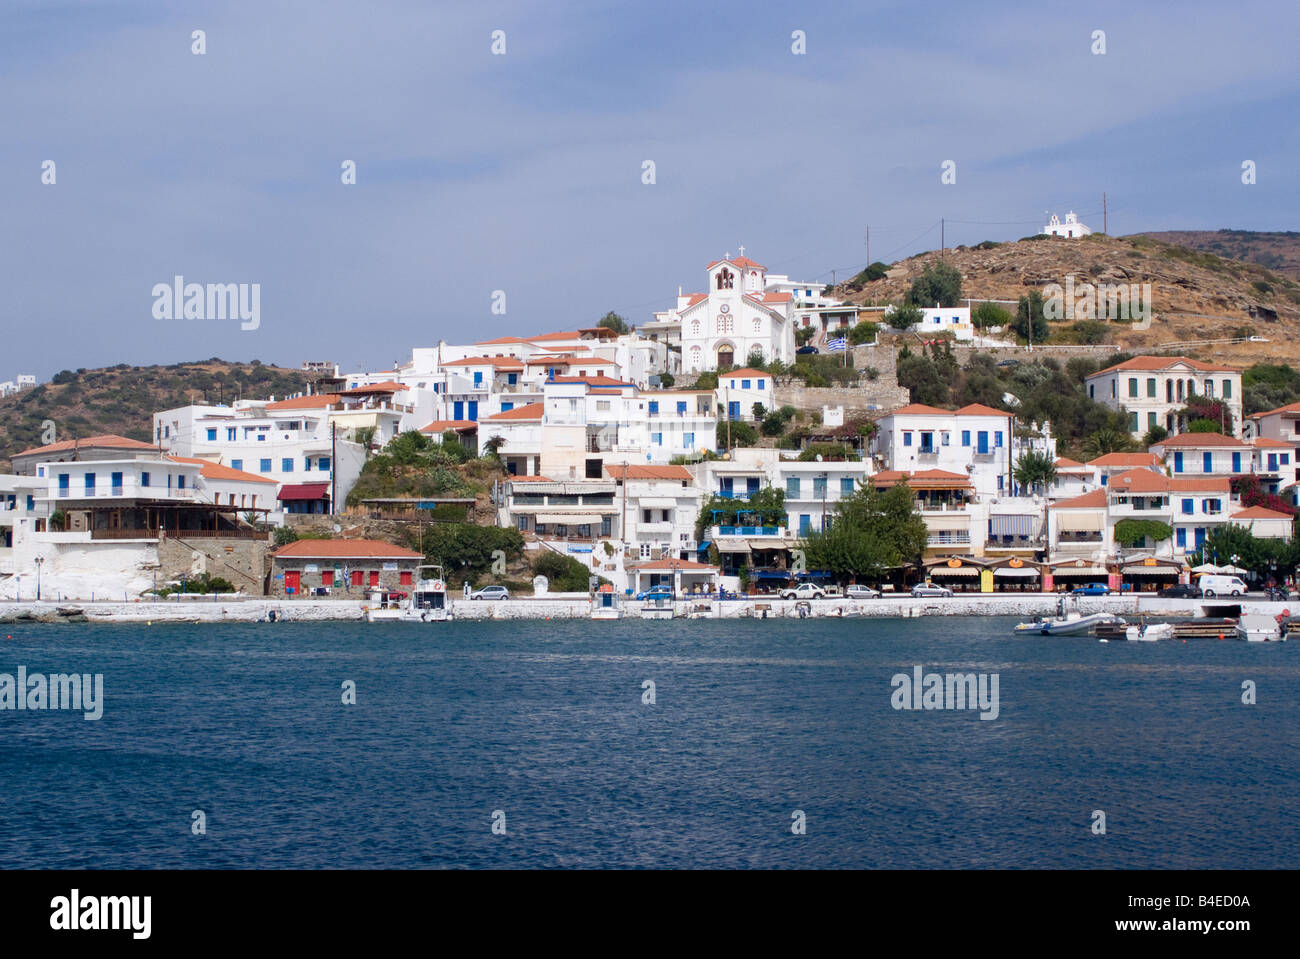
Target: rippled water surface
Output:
[(545, 722)]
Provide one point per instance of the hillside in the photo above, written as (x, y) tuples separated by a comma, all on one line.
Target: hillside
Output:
[(122, 399), (1195, 295), (1279, 252)]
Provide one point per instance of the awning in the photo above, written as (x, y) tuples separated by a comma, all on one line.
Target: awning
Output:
[(647, 502), (1151, 570), (1015, 572), (570, 519), (950, 571), (1071, 522), (731, 544), (1007, 525), (937, 522), (295, 492), (1089, 571)]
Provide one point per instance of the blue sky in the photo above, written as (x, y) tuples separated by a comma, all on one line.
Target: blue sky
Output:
[(522, 172)]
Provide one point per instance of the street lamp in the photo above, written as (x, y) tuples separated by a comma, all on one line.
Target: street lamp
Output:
[(40, 561)]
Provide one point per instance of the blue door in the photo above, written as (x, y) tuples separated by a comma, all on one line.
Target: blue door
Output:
[(1200, 536), (751, 485), (1178, 462), (473, 410), (733, 410), (458, 410)]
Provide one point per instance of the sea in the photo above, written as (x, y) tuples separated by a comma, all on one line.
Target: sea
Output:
[(648, 744)]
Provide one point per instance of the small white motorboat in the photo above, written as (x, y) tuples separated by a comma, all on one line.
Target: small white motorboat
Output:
[(1068, 619), (1260, 628), (604, 605), (1150, 633)]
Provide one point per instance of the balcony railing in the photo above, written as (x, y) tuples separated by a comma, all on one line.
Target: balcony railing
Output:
[(749, 531), (948, 538)]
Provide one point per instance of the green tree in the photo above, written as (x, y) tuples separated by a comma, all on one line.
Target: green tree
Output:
[(864, 332), (988, 315), (708, 380), (1155, 435), (1035, 471), (1031, 306), (938, 285), (870, 533), (612, 321), (905, 316), (1135, 532), (564, 574), (742, 434), (1105, 441), (922, 378)]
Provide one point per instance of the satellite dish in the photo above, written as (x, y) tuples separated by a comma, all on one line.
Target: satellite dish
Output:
[(338, 528)]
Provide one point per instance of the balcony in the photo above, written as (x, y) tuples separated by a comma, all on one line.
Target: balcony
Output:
[(749, 530), (948, 538)]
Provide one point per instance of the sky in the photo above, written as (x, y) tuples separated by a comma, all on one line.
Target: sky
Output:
[(523, 171)]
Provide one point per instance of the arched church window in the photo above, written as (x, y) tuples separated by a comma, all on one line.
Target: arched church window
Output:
[(725, 279)]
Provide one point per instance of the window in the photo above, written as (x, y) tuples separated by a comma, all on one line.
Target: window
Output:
[(1207, 462), (1151, 420), (265, 466), (846, 485), (1188, 507), (322, 462), (805, 524), (180, 481), (327, 577), (236, 464), (606, 525), (64, 480), (306, 464), (792, 487), (356, 577), (404, 577), (1213, 506), (286, 464), (927, 442), (1180, 538), (1236, 462), (1133, 423), (681, 408), (167, 431), (1132, 386), (1112, 389), (982, 441), (997, 439), (230, 434), (374, 577), (819, 487), (1272, 462), (144, 479), (1151, 387), (212, 435), (744, 384), (1178, 462), (965, 437), (907, 439), (1286, 459), (657, 439), (688, 440), (1209, 387), (90, 482), (602, 406), (40, 471), (761, 384), (654, 407), (1092, 391), (1227, 389), (944, 437)]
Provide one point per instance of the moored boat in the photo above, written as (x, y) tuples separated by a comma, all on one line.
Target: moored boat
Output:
[(1261, 628), (1068, 620)]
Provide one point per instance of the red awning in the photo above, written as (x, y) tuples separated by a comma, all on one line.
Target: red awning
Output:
[(304, 491)]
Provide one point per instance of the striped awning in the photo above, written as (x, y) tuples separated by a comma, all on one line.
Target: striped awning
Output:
[(954, 571), (571, 519), (938, 522), (1015, 572), (731, 544), (1088, 571), (1068, 521), (1009, 525), (1151, 570)]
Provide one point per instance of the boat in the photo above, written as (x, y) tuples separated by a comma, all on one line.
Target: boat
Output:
[(1261, 628), (1150, 633), (658, 607), (604, 605), (428, 602), (1068, 619)]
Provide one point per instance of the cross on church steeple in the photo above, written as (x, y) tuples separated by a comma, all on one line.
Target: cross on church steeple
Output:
[(742, 249)]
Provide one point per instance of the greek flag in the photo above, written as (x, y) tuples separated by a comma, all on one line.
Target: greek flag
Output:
[(837, 345)]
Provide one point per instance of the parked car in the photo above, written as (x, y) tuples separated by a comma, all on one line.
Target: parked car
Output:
[(1181, 591), (929, 590), (1093, 589), (491, 592), (804, 591), (862, 592), (1009, 363), (806, 351), (655, 592), (1222, 585)]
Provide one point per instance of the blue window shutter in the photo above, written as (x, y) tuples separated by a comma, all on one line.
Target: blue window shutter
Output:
[(1180, 537), (473, 410), (965, 437), (1236, 462), (1207, 462), (1178, 462), (1187, 507)]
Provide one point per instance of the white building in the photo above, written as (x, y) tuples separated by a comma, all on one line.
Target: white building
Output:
[(739, 391), (947, 319), (1154, 390), (1071, 227), (975, 441)]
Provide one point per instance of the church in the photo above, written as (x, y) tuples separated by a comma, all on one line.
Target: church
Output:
[(737, 317)]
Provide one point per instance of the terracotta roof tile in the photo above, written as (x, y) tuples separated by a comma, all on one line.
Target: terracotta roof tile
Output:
[(344, 549)]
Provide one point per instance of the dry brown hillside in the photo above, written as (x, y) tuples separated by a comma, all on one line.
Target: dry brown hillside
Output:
[(1195, 295), (1279, 252)]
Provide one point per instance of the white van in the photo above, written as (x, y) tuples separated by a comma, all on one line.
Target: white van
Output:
[(1221, 586)]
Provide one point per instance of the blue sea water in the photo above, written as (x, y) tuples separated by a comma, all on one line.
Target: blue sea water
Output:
[(545, 722)]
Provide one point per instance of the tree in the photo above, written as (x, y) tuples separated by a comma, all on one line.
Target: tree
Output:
[(1105, 441), (904, 317), (612, 321), (1135, 532), (1155, 435), (938, 285), (742, 434), (1035, 471), (864, 332), (870, 533), (707, 381), (922, 378), (666, 380), (803, 334), (564, 574), (755, 359), (988, 315), (1031, 305)]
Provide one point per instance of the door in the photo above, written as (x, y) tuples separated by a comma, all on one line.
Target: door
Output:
[(291, 577), (733, 410), (458, 410), (473, 410), (374, 577)]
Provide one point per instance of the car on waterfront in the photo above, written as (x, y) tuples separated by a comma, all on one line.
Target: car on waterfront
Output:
[(490, 592), (1180, 591), (806, 351), (1222, 586), (1092, 589), (654, 593), (861, 592), (804, 591), (929, 590)]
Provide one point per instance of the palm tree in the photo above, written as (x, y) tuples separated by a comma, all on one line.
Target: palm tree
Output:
[(1035, 471), (1106, 440)]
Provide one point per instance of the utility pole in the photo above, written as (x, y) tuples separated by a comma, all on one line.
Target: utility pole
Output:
[(334, 468), (868, 244), (1104, 225), (942, 244)]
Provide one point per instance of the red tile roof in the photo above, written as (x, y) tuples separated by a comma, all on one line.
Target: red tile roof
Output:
[(1129, 460), (1265, 443), (1199, 440), (649, 472), (344, 549), (530, 479), (107, 441), (496, 362), (1154, 363), (529, 411), (1065, 463), (1260, 512), (388, 386), (1094, 500), (319, 401), (743, 261), (212, 470), (979, 409), (302, 491), (921, 479), (918, 409), (441, 426), (597, 379), (745, 371), (1289, 408)]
